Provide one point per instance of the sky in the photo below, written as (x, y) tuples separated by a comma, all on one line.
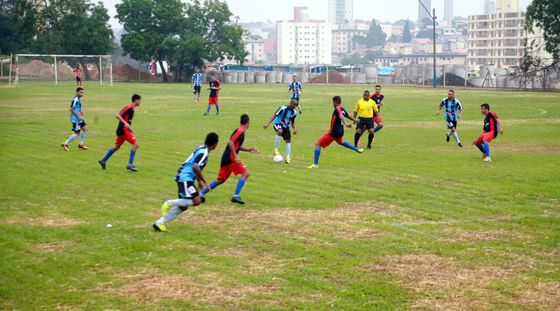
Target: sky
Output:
[(383, 10)]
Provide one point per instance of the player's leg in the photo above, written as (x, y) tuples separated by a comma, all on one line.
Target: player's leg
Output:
[(370, 137), (223, 175), (188, 196), (110, 152), (131, 157), (287, 140), (240, 168), (83, 137), (210, 100), (358, 134), (379, 121), (348, 145), (75, 134), (279, 133), (323, 142), (455, 135)]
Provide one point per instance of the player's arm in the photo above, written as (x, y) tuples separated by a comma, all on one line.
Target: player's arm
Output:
[(126, 124), (252, 150), (342, 116), (272, 118), (294, 125), (439, 110), (375, 109), (356, 109), (460, 108), (499, 125), (200, 177)]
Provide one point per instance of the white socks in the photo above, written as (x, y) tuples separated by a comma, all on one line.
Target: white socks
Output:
[(172, 214), (83, 137), (456, 137), (71, 139), (277, 142)]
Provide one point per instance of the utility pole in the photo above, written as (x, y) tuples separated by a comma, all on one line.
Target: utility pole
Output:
[(433, 17)]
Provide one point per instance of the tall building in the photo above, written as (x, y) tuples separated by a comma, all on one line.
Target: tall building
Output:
[(304, 41), (505, 6), (342, 38), (489, 7), (422, 14), (448, 10), (256, 51), (341, 11)]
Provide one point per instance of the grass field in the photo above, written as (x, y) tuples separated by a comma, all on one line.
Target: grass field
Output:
[(415, 223)]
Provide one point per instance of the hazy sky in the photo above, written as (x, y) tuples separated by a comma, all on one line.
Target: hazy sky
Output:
[(392, 10)]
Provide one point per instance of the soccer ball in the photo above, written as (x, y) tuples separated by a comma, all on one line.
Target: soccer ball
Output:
[(278, 158)]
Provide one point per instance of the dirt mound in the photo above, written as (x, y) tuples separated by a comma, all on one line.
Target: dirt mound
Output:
[(37, 68), (334, 77), (128, 73)]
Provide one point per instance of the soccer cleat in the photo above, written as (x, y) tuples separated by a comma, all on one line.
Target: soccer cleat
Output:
[(460, 145), (369, 146), (165, 207), (360, 150), (313, 166), (131, 168), (237, 200), (83, 147), (205, 114), (288, 160), (487, 159), (202, 200), (276, 152), (159, 228), (102, 164), (65, 147), (447, 139)]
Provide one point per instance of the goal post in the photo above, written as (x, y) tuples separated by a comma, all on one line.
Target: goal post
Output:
[(60, 67)]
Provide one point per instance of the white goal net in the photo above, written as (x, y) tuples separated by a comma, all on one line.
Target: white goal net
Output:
[(63, 68)]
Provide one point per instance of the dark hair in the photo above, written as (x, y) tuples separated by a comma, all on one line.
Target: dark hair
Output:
[(337, 99), (294, 101), (366, 91), (244, 119), (79, 89), (452, 91), (485, 105), (136, 97), (211, 139), (378, 86)]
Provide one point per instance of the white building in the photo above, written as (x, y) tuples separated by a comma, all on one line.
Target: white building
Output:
[(342, 43), (341, 11), (304, 41), (506, 6), (255, 48), (448, 10)]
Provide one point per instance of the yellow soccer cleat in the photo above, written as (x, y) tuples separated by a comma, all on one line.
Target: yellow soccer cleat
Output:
[(288, 160), (165, 207), (65, 147), (360, 150), (276, 152), (313, 166), (158, 227)]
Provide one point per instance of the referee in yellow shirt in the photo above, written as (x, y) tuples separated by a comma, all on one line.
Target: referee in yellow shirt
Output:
[(365, 109)]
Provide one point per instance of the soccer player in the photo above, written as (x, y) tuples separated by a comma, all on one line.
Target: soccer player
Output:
[(490, 131), (231, 162), (453, 112), (78, 73), (378, 99), (295, 89), (190, 171), (125, 133), (215, 86), (336, 131), (197, 84), (78, 124), (283, 118), (365, 110)]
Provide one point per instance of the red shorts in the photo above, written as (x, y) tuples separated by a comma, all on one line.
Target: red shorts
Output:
[(377, 119), (212, 100), (127, 136), (327, 139), (485, 137), (235, 168)]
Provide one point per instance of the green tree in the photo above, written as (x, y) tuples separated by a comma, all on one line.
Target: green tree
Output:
[(407, 36), (354, 59), (545, 15), (374, 38), (17, 26)]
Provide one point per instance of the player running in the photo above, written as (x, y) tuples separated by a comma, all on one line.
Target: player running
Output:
[(365, 110), (378, 99), (197, 84), (453, 112), (295, 89), (190, 171), (78, 124), (125, 133), (283, 118), (231, 162), (215, 86), (336, 131), (490, 131), (78, 73)]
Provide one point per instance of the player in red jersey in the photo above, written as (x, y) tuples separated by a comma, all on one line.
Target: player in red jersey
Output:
[(231, 162), (336, 132), (78, 73), (125, 133), (215, 86), (490, 131), (378, 99)]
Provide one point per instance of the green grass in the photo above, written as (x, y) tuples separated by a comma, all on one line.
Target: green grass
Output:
[(414, 223)]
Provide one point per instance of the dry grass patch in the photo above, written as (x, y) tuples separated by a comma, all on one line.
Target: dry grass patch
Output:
[(48, 221), (443, 283), (456, 235), (547, 149), (542, 296), (53, 247)]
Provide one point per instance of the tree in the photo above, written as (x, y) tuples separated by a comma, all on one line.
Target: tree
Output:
[(17, 26), (354, 59), (407, 36), (374, 38)]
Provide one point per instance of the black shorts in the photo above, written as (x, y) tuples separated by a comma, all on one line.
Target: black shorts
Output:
[(285, 131), (78, 79), (76, 127), (451, 124), (187, 190), (365, 123), (196, 90)]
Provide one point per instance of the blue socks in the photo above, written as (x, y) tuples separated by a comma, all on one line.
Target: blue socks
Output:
[(210, 106), (239, 186), (486, 147), (217, 109), (377, 128), (212, 185), (132, 155), (317, 155), (349, 146), (480, 148), (108, 155)]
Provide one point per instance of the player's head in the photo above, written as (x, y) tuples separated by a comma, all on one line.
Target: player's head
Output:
[(213, 78), (136, 99), (366, 95), (78, 66), (197, 70), (293, 104), (80, 91), (451, 94), (211, 141), (244, 120), (336, 101), (294, 78), (378, 89), (484, 108)]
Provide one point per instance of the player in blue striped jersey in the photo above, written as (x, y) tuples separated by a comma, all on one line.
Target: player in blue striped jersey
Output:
[(453, 112), (79, 127), (283, 118), (190, 171), (295, 89), (197, 84)]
